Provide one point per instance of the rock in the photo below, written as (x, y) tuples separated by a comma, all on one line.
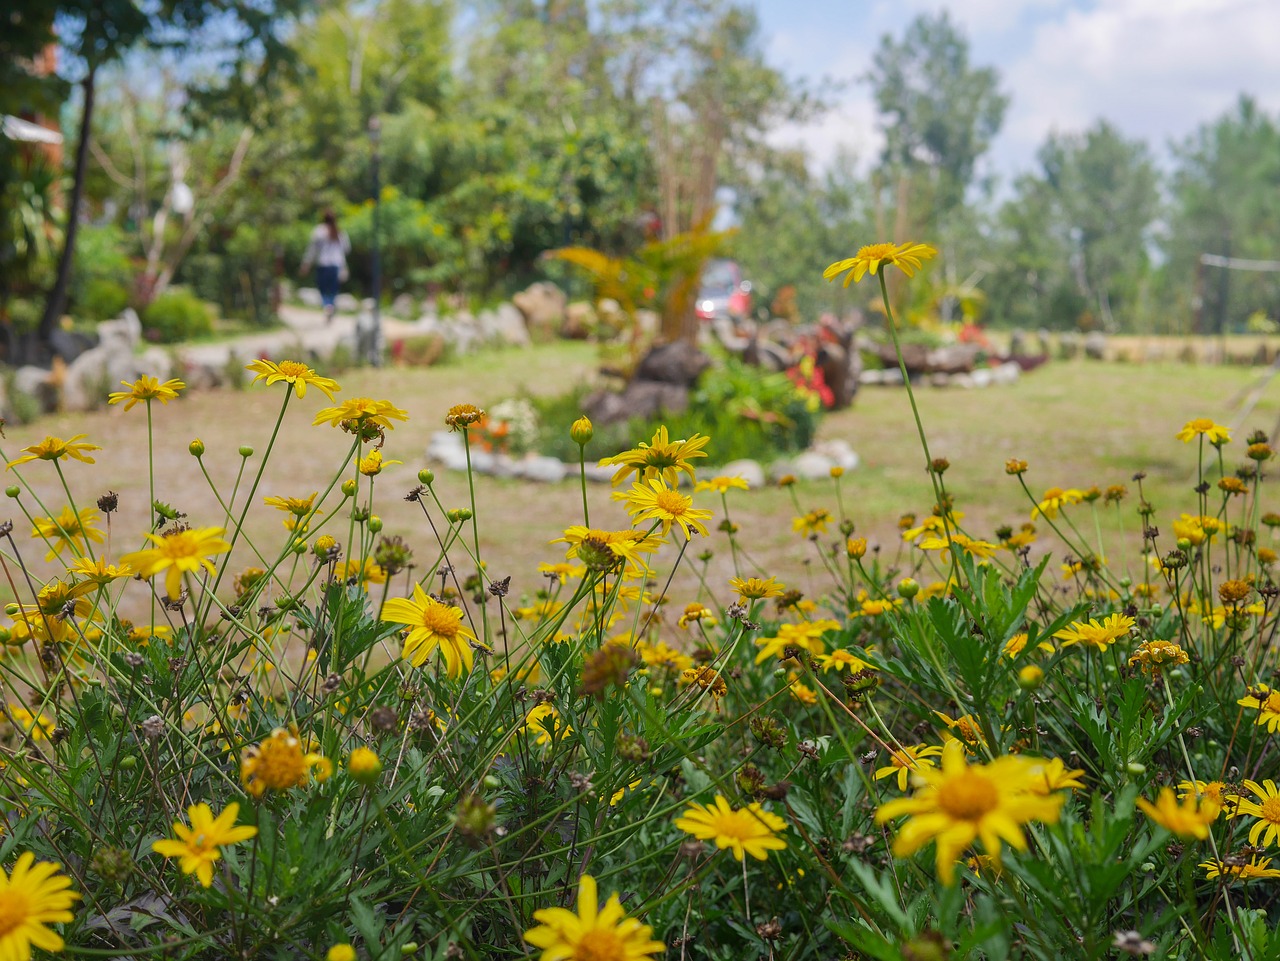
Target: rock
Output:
[(202, 375), (952, 359), (482, 461), (543, 306), (546, 470), (811, 465), (672, 363), (982, 377), (310, 297), (70, 344), (36, 382), (155, 362), (749, 470), (403, 306), (347, 303), (642, 398), (125, 331), (600, 475), (509, 328), (610, 318), (1095, 345), (967, 381), (838, 451), (580, 320), (1006, 373), (445, 447), (939, 379), (461, 332), (1069, 345), (780, 469)]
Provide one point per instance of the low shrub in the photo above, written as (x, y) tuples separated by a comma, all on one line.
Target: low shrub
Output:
[(175, 316), (103, 299)]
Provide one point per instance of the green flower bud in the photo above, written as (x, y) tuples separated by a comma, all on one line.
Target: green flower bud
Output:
[(196, 447), (246, 451), (375, 523), (426, 476), (13, 490), (349, 488)]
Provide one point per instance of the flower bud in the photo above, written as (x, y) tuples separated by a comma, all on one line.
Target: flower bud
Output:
[(375, 524), (196, 447), (348, 488), (364, 765), (1030, 677), (246, 451), (13, 490), (581, 431), (426, 476), (908, 588)]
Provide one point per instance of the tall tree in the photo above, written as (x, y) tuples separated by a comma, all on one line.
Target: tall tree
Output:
[(939, 113), (244, 37), (1226, 201), (1106, 192)]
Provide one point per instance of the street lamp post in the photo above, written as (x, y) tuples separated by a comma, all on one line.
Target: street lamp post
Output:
[(375, 339)]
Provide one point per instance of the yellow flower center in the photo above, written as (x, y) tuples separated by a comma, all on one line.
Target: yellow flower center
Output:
[(1272, 704), (15, 909), (179, 546), (440, 619), (877, 252), (292, 369), (601, 944), (670, 502), (280, 764), (1271, 809), (968, 796)]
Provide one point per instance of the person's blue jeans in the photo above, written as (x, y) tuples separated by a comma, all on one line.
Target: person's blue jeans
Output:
[(327, 281)]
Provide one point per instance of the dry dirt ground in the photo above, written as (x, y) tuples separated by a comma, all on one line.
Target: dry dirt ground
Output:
[(1077, 423)]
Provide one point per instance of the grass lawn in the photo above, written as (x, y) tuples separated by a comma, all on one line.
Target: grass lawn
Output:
[(1078, 424)]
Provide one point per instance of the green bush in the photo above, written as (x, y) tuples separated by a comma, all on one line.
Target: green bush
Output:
[(102, 257), (176, 315), (103, 299), (748, 412)]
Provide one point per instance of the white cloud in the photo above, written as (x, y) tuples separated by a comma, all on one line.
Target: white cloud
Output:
[(1154, 68)]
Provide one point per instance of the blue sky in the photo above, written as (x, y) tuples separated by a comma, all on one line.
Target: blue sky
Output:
[(1154, 68)]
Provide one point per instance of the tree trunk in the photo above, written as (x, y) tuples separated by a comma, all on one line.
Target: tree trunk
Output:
[(57, 301)]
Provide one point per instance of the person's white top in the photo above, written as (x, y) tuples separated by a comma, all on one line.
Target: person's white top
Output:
[(324, 251)]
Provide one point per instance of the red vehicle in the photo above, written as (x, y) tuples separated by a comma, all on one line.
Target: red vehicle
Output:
[(723, 291)]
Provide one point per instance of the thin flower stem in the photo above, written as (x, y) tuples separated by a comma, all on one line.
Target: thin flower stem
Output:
[(582, 477)]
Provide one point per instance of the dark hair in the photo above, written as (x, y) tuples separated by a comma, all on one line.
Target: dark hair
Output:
[(331, 221)]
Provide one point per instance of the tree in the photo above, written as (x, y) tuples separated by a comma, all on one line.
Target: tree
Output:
[(939, 113), (1074, 241), (1225, 200), (244, 37)]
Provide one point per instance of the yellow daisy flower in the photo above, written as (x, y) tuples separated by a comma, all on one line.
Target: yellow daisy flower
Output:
[(146, 388), (69, 528), (292, 372), (178, 553), (654, 500), (33, 895), (721, 485), (356, 413), (751, 830), (1190, 819), (869, 259), (1204, 427), (431, 625), (198, 846), (961, 803), (594, 932), (903, 762), (55, 448), (661, 457)]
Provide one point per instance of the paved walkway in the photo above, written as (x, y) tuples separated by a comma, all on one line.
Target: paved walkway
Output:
[(304, 330)]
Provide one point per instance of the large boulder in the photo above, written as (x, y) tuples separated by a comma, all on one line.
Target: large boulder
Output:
[(673, 363), (504, 326), (543, 306), (1095, 345), (641, 398), (580, 320)]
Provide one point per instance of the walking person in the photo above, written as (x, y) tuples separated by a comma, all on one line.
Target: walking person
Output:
[(328, 252)]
